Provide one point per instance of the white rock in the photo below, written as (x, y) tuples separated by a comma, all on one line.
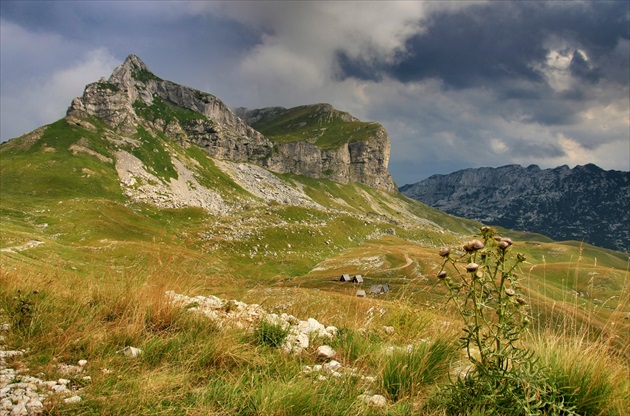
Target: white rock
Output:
[(332, 366), (19, 410), (130, 351), (59, 388), (374, 400), (325, 352), (312, 326), (6, 404), (300, 339), (332, 330), (82, 363), (63, 381), (35, 405), (389, 330), (73, 399)]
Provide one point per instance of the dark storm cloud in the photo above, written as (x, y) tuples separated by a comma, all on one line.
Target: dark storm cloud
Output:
[(164, 32), (488, 43), (456, 84)]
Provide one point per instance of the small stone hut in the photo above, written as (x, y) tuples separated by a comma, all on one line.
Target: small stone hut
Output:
[(345, 278), (357, 279), (379, 289)]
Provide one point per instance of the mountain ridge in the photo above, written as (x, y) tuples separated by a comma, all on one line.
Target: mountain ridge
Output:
[(584, 203), (133, 96)]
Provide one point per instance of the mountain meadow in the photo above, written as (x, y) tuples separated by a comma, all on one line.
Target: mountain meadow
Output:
[(160, 256)]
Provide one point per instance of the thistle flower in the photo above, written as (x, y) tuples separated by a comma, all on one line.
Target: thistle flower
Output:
[(510, 292), (442, 274), (445, 251), (503, 245), (472, 267), (473, 245)]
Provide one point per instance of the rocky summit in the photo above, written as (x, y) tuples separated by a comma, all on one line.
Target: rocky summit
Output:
[(325, 143), (585, 203)]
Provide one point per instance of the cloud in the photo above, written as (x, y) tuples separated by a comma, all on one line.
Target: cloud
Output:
[(296, 56), (457, 84), (43, 91)]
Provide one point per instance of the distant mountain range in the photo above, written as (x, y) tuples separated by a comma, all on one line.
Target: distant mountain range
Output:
[(585, 203)]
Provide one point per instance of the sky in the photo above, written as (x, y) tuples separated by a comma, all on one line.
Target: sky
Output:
[(457, 84)]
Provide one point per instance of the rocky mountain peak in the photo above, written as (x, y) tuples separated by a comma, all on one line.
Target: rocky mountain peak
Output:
[(585, 203), (134, 99), (133, 69)]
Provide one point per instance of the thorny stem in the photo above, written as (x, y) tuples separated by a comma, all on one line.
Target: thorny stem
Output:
[(485, 289)]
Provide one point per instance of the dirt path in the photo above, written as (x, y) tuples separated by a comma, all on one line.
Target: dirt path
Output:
[(30, 244)]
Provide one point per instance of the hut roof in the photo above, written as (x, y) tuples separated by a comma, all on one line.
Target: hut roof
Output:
[(379, 289), (345, 278)]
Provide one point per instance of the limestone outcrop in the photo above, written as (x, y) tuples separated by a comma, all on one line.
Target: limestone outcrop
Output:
[(133, 98)]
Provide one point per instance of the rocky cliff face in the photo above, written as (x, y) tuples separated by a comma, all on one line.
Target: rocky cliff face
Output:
[(134, 98), (322, 142), (584, 203)]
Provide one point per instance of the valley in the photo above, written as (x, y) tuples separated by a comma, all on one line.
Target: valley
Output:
[(102, 216)]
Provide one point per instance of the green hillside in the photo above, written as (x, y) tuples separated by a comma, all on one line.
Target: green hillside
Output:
[(319, 124), (102, 258)]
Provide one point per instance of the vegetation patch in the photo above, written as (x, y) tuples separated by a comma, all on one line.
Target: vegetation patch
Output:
[(319, 124), (167, 111)]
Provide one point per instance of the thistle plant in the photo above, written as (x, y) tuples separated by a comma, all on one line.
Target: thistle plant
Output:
[(482, 282)]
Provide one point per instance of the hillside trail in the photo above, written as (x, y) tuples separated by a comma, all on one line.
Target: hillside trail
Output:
[(15, 249)]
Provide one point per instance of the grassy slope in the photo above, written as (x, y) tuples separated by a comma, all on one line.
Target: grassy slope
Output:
[(105, 264), (319, 124)]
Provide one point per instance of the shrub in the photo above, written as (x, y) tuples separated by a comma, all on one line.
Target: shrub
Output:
[(271, 334), (504, 377), (21, 309), (591, 377), (407, 370)]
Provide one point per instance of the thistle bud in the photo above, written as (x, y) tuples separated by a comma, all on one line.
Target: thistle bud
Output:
[(503, 245), (442, 274), (473, 245), (445, 251), (472, 267), (521, 257), (510, 292), (508, 240), (521, 301)]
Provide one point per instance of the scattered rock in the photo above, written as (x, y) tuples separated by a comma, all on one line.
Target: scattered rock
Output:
[(73, 399), (325, 352), (375, 400), (130, 351)]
